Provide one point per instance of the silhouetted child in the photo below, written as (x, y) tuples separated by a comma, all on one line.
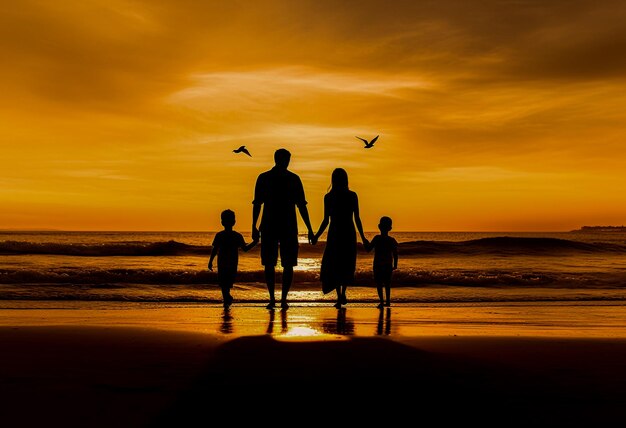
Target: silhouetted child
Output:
[(385, 259), (226, 245)]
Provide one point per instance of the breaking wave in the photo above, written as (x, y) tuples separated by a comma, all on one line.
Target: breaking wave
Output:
[(485, 246)]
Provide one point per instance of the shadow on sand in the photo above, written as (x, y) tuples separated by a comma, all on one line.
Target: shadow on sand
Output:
[(358, 380)]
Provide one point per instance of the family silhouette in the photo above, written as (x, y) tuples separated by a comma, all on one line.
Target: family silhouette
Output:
[(278, 193)]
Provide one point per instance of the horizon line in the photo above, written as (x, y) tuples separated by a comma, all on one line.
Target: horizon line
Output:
[(299, 232)]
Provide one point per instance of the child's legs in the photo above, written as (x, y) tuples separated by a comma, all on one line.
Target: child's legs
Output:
[(384, 280), (381, 273), (379, 289), (387, 284), (225, 287), (226, 279)]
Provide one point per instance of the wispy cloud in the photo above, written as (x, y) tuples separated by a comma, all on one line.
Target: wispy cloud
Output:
[(286, 82), (137, 106)]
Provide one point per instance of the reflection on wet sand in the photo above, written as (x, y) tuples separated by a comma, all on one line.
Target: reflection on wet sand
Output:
[(341, 325), (283, 322), (384, 324), (227, 322), (307, 324)]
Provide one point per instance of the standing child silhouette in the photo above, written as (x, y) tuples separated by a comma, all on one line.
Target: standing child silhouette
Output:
[(226, 245), (385, 259)]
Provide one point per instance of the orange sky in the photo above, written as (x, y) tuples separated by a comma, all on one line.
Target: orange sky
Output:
[(492, 115)]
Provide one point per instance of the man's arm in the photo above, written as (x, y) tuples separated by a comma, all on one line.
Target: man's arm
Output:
[(256, 211), (304, 212), (256, 207)]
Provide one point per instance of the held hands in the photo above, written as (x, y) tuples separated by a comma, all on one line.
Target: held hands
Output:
[(366, 244), (312, 237), (255, 234), (211, 266)]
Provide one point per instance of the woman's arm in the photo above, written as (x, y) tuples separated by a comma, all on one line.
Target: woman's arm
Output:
[(357, 220), (325, 222)]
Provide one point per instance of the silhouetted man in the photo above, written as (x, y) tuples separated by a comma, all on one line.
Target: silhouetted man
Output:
[(279, 191)]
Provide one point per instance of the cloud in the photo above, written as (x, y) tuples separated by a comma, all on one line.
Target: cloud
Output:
[(154, 95), (289, 82), (123, 55)]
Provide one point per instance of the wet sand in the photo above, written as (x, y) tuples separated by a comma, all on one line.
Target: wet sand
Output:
[(133, 365)]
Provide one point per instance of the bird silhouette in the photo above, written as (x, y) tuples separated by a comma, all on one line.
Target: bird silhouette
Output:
[(242, 149), (368, 144)]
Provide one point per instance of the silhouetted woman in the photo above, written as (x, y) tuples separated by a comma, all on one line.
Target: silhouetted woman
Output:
[(341, 211)]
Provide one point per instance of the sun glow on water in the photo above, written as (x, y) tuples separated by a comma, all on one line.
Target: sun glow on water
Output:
[(308, 264), (305, 333), (301, 331)]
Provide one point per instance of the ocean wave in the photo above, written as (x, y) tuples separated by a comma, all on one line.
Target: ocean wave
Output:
[(166, 248), (505, 246), (509, 246), (404, 277), (303, 293)]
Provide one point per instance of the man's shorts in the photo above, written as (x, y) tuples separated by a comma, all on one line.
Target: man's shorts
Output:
[(270, 245)]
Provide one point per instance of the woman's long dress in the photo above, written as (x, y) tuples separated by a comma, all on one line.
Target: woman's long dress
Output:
[(339, 259)]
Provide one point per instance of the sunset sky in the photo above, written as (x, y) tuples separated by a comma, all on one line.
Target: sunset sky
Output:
[(492, 115)]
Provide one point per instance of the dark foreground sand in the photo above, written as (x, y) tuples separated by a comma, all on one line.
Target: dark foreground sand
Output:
[(128, 376)]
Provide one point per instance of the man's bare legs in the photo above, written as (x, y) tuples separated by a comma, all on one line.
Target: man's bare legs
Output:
[(287, 279), (270, 280)]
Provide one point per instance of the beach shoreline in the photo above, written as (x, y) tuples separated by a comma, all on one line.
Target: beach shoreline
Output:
[(140, 365)]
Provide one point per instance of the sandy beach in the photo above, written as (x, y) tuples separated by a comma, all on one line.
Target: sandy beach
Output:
[(134, 365)]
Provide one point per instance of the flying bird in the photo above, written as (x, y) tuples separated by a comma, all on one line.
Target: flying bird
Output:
[(368, 144), (242, 149)]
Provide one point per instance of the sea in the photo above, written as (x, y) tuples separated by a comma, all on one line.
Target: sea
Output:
[(433, 267)]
